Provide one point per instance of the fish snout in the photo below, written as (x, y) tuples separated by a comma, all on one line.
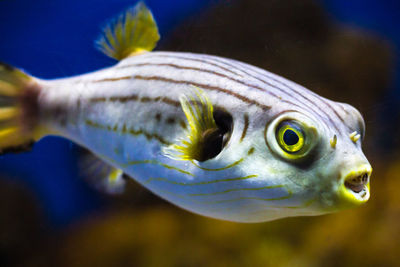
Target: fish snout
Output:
[(354, 186)]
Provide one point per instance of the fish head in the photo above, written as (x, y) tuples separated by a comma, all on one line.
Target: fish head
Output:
[(318, 160)]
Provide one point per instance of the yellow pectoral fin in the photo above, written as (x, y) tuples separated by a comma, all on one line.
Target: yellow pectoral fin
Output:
[(203, 137), (132, 33), (101, 175)]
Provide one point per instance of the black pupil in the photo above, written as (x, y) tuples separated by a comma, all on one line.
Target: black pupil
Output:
[(290, 138)]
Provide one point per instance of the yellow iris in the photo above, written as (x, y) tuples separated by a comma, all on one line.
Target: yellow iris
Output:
[(290, 137)]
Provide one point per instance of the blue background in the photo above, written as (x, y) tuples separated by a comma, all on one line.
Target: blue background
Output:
[(51, 39)]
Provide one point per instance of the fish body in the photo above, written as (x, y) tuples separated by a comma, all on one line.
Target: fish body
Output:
[(212, 135)]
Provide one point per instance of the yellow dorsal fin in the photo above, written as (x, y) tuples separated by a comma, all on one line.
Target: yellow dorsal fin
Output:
[(133, 32), (202, 128)]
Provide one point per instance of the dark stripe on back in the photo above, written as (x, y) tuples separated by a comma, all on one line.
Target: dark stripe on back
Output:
[(321, 99), (204, 86), (193, 59), (293, 90), (206, 60), (213, 73), (189, 83)]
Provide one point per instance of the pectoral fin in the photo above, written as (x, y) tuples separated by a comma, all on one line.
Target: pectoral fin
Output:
[(101, 175), (203, 138)]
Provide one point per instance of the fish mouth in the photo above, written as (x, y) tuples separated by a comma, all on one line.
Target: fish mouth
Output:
[(354, 189), (358, 184)]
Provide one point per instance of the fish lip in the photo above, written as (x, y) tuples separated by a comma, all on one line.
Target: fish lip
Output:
[(355, 186)]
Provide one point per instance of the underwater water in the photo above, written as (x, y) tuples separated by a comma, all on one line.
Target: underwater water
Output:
[(344, 50)]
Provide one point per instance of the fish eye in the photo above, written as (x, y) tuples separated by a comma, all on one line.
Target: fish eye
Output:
[(290, 136)]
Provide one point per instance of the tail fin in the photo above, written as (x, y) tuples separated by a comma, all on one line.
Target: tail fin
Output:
[(19, 110)]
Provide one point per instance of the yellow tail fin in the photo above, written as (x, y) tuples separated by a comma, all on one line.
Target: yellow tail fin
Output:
[(133, 32), (18, 110)]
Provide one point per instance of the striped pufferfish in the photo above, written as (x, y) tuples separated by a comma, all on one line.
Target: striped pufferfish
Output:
[(212, 135)]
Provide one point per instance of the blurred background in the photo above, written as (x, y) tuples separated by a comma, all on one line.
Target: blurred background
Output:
[(346, 50)]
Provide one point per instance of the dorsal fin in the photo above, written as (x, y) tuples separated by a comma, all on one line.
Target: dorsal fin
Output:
[(133, 32)]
